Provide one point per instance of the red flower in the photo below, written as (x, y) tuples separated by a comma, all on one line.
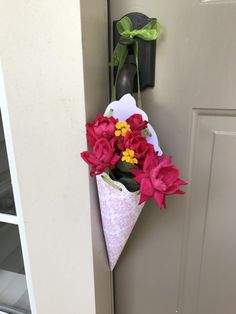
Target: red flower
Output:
[(138, 143), (158, 178), (136, 122), (102, 127), (102, 157)]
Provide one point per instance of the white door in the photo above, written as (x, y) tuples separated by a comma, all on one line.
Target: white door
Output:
[(183, 260)]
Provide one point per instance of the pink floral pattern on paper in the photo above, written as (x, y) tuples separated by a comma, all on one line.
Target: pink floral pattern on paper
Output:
[(119, 212)]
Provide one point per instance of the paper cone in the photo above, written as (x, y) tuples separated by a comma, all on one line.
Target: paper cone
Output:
[(119, 213)]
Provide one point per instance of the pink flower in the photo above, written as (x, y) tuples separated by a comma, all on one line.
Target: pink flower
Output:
[(158, 178), (103, 156), (101, 127), (136, 122)]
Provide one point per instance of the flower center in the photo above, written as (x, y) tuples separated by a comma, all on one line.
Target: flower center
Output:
[(122, 128), (129, 156), (160, 185)]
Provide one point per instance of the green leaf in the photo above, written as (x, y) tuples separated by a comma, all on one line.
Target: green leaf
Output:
[(125, 166), (130, 184), (117, 174)]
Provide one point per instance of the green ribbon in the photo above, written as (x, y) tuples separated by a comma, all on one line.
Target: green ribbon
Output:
[(151, 31)]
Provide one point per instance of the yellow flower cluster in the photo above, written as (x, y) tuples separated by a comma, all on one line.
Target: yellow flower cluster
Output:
[(128, 156), (122, 128)]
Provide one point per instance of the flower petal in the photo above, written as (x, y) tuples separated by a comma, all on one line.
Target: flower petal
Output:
[(146, 187), (114, 160), (180, 192), (159, 198), (172, 189), (139, 175), (181, 182), (143, 198), (170, 174), (89, 158), (151, 161)]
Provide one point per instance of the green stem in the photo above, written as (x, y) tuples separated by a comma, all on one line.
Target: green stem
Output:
[(105, 179)]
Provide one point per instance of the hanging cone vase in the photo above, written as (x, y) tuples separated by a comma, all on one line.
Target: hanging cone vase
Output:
[(119, 212)]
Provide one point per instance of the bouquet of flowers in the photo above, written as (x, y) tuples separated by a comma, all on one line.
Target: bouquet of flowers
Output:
[(130, 168)]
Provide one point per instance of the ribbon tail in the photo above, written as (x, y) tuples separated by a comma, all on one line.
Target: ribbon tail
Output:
[(139, 101), (117, 54)]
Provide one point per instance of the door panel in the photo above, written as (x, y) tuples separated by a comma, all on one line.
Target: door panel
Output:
[(181, 260), (210, 283), (217, 290)]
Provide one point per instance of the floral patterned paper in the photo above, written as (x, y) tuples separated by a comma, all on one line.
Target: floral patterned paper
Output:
[(119, 213)]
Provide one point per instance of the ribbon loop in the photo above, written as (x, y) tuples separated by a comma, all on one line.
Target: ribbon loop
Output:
[(125, 24)]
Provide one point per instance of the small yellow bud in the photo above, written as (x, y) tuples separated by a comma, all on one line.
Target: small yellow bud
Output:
[(117, 133), (122, 128), (129, 156)]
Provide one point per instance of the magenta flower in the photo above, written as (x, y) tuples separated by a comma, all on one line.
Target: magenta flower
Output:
[(136, 122), (138, 143), (101, 127), (158, 178)]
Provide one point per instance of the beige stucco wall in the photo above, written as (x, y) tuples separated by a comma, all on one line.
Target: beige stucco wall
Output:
[(51, 84), (95, 58)]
